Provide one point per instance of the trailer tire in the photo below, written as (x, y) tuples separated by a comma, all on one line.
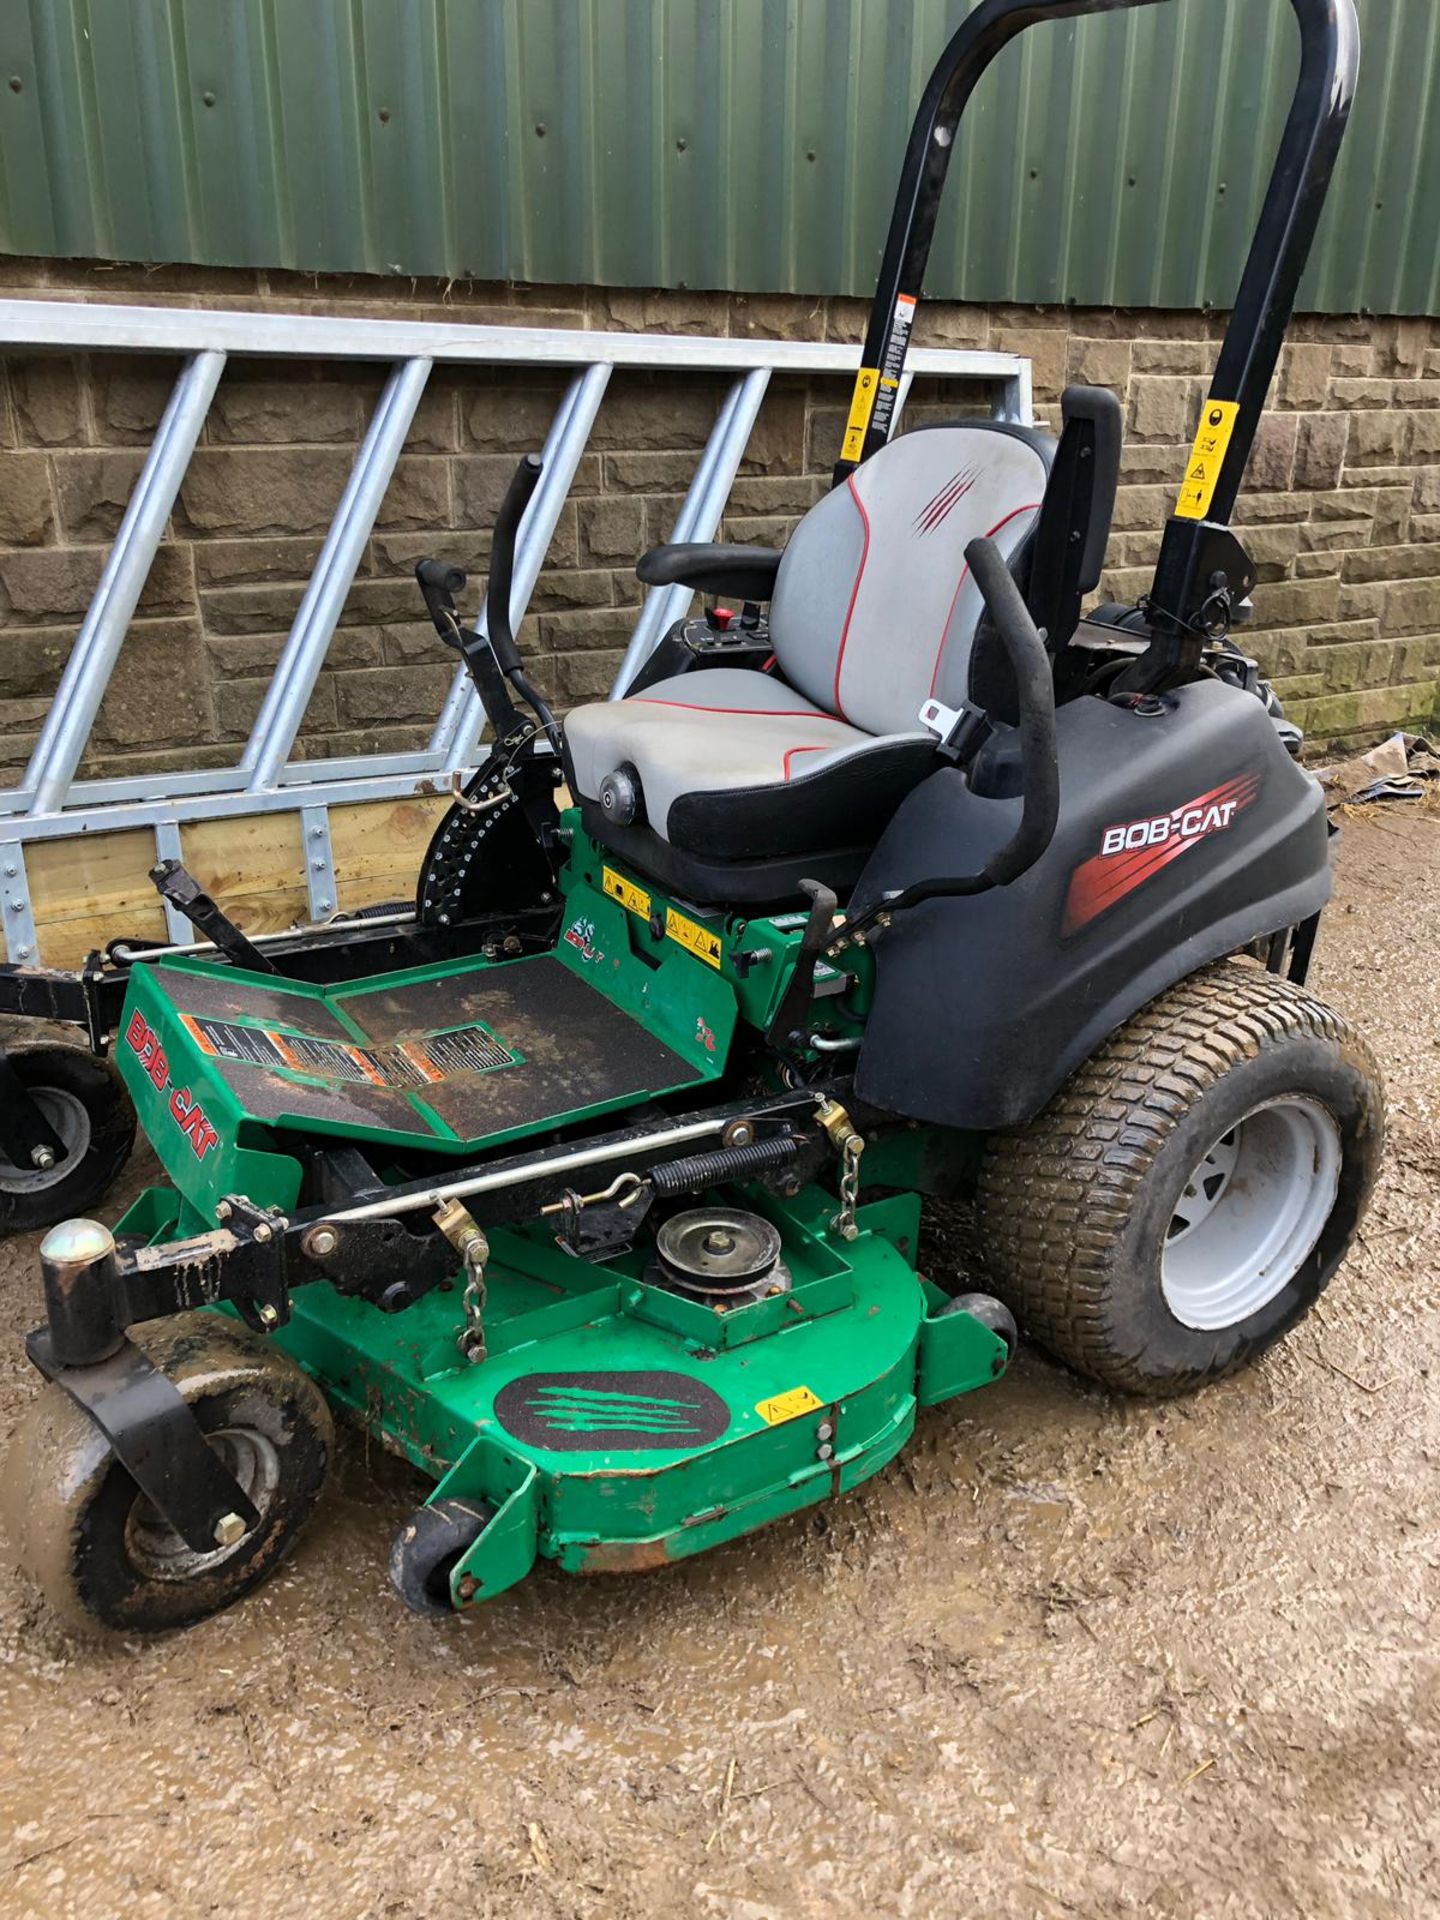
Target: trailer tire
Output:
[(99, 1553), (84, 1099), (1188, 1194)]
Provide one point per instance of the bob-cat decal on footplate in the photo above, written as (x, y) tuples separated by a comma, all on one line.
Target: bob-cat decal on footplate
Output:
[(1134, 851)]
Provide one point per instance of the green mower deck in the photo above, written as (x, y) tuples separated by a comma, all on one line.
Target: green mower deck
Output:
[(617, 1425)]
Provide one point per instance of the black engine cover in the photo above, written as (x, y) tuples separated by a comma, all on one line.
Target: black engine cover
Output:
[(1184, 833)]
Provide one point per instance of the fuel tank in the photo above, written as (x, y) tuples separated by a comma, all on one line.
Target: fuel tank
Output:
[(1185, 831)]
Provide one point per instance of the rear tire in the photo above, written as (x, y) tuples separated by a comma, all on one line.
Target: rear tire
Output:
[(1188, 1194)]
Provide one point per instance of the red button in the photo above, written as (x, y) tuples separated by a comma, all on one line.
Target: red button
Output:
[(720, 618)]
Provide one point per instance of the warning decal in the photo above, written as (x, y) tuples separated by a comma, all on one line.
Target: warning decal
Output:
[(1207, 456), (693, 937), (626, 892), (413, 1063), (862, 405), (781, 1407)]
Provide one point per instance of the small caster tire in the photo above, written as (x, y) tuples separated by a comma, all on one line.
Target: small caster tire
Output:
[(100, 1554), (84, 1099), (1191, 1190), (991, 1313), (429, 1546)]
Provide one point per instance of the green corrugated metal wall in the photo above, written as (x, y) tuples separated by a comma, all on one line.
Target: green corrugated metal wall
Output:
[(705, 143)]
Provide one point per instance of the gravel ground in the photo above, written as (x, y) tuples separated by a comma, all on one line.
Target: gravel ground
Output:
[(1070, 1656)]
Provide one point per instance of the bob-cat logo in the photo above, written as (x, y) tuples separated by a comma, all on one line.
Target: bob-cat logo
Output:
[(1134, 851), (580, 935), (186, 1111)]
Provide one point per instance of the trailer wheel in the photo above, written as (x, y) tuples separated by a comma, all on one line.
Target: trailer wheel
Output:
[(99, 1552), (428, 1547), (1188, 1194), (84, 1099)]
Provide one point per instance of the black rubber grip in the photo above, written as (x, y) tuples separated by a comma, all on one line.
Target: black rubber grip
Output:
[(1035, 684), (502, 562), (441, 576), (700, 1170)]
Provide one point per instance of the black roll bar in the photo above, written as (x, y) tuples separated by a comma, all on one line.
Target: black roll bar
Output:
[(1196, 540), (928, 152)]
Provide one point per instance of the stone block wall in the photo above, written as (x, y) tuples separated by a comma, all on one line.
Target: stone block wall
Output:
[(1342, 510)]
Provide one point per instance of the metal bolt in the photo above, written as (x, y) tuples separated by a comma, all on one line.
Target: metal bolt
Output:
[(825, 1430), (317, 833), (269, 1317), (24, 953), (262, 1231), (11, 872), (223, 1210), (325, 905), (319, 1243), (16, 906), (230, 1530), (825, 1452), (468, 1587), (42, 1158), (318, 866)]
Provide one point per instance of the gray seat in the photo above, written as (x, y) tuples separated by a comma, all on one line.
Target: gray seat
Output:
[(873, 614)]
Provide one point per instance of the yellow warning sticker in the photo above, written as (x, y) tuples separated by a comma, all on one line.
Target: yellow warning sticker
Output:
[(693, 937), (626, 892), (862, 405), (781, 1407), (1207, 456)]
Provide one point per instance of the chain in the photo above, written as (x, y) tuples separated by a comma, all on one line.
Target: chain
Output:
[(468, 1240), (471, 1337), (844, 1221)]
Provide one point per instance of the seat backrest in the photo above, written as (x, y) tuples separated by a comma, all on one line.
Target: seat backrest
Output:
[(874, 610)]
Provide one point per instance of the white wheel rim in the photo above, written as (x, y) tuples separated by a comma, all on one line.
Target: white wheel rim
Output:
[(1250, 1214), (159, 1553)]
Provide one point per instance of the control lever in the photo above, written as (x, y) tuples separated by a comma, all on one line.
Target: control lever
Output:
[(497, 598), (792, 1016), (1040, 809), (492, 657)]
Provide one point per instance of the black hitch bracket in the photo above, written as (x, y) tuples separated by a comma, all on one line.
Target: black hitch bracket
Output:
[(157, 1440)]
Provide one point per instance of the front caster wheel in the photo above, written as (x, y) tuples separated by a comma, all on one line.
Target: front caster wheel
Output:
[(99, 1552), (1187, 1195), (429, 1546), (84, 1100)]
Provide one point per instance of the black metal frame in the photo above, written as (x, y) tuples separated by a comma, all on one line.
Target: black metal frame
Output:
[(1193, 552)]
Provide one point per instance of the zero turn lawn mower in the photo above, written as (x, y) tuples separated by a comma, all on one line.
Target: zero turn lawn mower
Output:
[(906, 881)]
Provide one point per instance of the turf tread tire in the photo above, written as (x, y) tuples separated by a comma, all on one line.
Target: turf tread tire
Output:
[(1055, 1196)]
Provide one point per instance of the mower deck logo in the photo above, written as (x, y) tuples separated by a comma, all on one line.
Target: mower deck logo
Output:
[(1135, 850), (611, 1412)]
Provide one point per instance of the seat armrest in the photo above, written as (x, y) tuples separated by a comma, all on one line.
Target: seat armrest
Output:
[(748, 572)]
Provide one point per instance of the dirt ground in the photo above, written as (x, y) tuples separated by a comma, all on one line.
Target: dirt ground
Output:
[(1071, 1656)]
